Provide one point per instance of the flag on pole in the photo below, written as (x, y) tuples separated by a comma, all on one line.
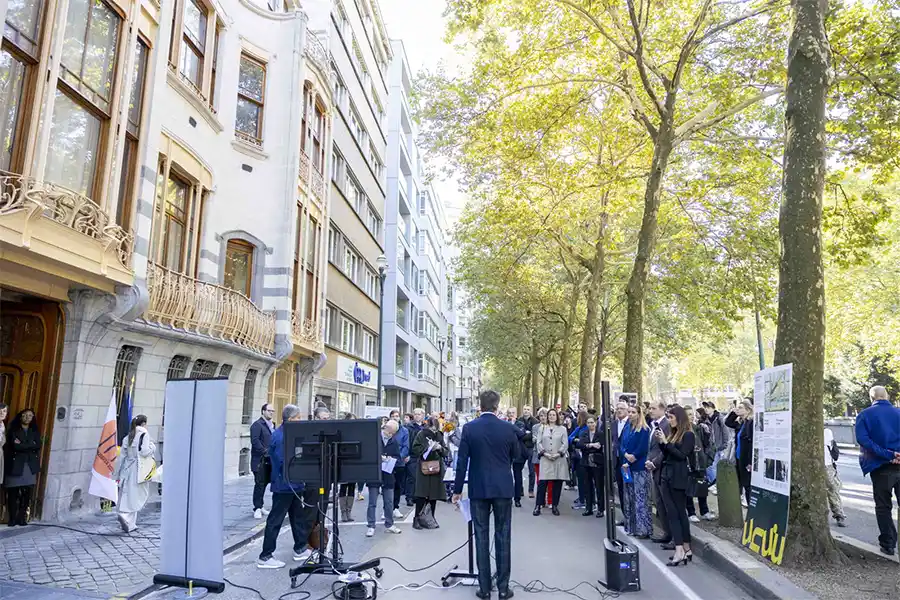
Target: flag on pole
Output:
[(102, 483)]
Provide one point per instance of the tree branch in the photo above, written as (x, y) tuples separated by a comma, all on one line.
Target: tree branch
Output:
[(697, 123)]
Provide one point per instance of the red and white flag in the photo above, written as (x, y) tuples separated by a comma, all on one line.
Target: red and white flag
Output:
[(102, 483)]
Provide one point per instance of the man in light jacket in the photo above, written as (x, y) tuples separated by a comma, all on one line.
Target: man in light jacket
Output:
[(260, 438)]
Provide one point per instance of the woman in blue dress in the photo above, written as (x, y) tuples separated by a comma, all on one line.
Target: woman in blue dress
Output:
[(633, 450)]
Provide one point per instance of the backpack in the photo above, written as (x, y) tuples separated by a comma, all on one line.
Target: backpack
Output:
[(834, 451)]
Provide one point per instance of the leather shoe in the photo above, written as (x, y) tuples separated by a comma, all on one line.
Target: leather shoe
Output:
[(518, 504), (555, 511), (482, 595), (887, 550), (506, 594), (660, 540), (668, 546)]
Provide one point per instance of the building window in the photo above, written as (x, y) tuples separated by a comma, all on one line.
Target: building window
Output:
[(348, 336), (123, 382), (83, 98), (337, 169), (329, 315), (357, 195), (193, 42), (357, 129), (371, 283), (247, 407), (18, 58), (375, 162), (351, 264), (204, 369), (128, 176), (175, 222), (225, 371), (177, 367), (318, 138), (239, 266), (340, 90), (343, 24), (368, 349), (248, 121)]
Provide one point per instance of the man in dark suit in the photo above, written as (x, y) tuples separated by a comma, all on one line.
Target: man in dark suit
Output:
[(621, 417), (654, 465), (487, 451), (260, 438)]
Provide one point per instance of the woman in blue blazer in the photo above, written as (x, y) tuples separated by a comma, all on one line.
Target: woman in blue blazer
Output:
[(633, 449)]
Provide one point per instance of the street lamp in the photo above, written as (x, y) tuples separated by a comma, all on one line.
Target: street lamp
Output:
[(382, 263), (441, 341)]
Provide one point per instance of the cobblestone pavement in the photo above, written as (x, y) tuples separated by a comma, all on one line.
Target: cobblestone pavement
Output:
[(108, 561)]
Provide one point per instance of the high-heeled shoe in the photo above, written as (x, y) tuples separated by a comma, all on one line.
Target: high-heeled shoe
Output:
[(689, 556), (678, 563)]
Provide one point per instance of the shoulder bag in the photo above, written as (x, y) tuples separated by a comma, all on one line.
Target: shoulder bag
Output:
[(430, 467), (146, 464)]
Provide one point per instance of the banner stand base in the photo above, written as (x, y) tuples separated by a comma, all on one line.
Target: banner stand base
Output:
[(216, 587)]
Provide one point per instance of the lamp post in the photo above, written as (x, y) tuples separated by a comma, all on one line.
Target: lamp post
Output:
[(441, 341), (382, 263)]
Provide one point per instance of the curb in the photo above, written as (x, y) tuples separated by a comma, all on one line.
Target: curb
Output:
[(755, 577), (257, 532), (848, 543)]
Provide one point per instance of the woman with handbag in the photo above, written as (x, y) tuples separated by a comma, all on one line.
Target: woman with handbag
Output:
[(677, 450), (553, 448), (704, 453), (590, 442), (23, 463), (134, 470), (429, 450)]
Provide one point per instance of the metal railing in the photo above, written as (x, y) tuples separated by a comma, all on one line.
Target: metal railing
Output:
[(318, 185), (304, 166), (185, 303), (249, 139), (66, 207), (305, 331)]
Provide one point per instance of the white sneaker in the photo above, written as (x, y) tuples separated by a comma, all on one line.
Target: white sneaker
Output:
[(303, 556), (693, 519), (710, 516), (269, 563), (398, 514), (713, 490), (744, 502), (360, 497), (265, 513), (370, 532), (393, 529), (258, 514)]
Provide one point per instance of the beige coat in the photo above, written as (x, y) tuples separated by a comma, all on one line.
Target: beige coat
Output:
[(554, 440)]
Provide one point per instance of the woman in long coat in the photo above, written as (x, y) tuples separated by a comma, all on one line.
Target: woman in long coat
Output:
[(23, 463), (3, 411), (133, 493), (429, 488), (553, 449)]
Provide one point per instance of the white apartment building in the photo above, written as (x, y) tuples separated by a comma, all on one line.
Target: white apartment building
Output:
[(163, 216), (469, 369), (360, 54), (418, 340)]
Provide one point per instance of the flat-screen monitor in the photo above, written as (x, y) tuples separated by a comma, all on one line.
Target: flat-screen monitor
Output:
[(358, 450)]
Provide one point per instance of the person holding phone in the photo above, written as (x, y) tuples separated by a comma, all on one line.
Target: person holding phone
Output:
[(633, 449), (677, 449), (590, 442), (741, 420)]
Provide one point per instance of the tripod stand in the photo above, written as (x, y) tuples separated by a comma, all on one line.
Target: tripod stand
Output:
[(330, 450)]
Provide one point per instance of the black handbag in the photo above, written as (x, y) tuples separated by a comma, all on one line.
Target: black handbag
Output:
[(263, 473), (697, 487)]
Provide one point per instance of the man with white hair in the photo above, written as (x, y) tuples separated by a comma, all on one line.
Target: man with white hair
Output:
[(878, 436), (390, 449)]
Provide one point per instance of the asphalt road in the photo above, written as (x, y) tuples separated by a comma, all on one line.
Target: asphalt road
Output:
[(856, 495), (559, 552)]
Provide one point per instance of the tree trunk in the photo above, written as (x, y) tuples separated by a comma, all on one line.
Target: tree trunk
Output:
[(535, 372), (545, 395), (564, 370), (632, 368), (557, 382), (526, 386), (585, 383), (801, 285)]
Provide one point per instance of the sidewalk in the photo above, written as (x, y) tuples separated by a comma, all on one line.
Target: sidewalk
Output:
[(108, 562)]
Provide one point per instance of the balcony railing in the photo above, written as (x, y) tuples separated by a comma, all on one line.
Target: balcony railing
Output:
[(305, 331), (184, 303), (317, 51), (318, 185), (304, 166), (248, 139), (66, 207)]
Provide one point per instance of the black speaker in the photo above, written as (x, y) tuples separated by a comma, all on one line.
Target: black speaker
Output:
[(623, 570)]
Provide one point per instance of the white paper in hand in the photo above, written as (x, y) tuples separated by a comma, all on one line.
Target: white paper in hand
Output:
[(466, 507), (388, 464)]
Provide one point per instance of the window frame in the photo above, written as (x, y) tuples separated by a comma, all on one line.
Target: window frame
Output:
[(245, 247), (257, 138)]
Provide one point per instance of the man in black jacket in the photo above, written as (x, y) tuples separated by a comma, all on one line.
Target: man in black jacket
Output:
[(519, 462), (527, 422), (654, 465), (260, 438)]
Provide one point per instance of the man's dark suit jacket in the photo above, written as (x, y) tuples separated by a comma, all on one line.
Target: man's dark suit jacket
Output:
[(260, 438), (487, 450)]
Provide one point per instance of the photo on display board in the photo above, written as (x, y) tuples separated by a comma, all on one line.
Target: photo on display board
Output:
[(777, 391), (780, 470), (760, 422), (756, 459), (770, 468)]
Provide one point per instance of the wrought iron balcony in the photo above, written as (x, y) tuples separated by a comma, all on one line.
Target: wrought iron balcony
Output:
[(304, 166), (306, 332), (206, 309), (43, 200)]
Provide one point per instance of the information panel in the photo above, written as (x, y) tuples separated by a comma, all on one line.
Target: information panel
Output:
[(770, 483)]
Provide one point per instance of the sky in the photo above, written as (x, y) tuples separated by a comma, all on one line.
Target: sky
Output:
[(421, 26)]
